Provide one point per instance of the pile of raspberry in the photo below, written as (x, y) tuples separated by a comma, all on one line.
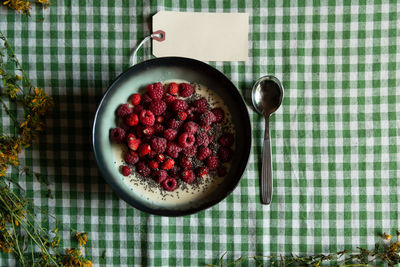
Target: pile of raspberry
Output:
[(167, 131)]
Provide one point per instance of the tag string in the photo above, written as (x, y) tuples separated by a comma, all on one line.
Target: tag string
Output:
[(158, 35)]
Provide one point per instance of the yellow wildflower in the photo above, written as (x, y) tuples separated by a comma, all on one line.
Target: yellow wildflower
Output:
[(386, 236), (82, 238)]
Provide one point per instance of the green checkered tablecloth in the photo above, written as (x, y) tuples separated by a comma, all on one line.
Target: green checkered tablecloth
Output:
[(335, 139)]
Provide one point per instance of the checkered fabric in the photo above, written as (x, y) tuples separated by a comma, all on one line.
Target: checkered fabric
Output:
[(335, 139)]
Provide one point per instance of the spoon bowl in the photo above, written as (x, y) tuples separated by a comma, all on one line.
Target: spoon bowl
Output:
[(267, 95)]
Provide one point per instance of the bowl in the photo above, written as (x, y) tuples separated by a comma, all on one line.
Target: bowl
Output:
[(162, 69)]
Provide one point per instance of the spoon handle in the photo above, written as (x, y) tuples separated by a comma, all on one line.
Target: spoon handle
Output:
[(266, 175)]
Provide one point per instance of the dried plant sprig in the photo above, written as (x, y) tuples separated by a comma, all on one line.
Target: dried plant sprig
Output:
[(24, 6)]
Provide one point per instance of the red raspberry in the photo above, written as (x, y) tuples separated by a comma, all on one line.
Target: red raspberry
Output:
[(168, 98), (170, 184), (203, 153), (148, 130), (182, 115), (218, 113), (136, 99), (190, 151), (133, 143), (160, 157), (201, 104), (153, 164), (146, 99), (132, 119), (160, 119), (186, 139), (160, 176), (225, 154), (202, 171), (226, 139), (179, 105), (174, 172), (143, 169), (221, 171), (210, 139), (206, 128), (131, 158), (124, 110), (159, 144), (186, 162), (188, 176), (158, 128), (212, 162), (157, 107), (201, 139), (117, 135), (168, 164), (147, 117), (155, 91), (190, 127), (137, 109), (174, 123), (151, 154), (170, 134), (173, 88), (206, 118), (173, 149), (126, 170), (186, 90), (144, 149)]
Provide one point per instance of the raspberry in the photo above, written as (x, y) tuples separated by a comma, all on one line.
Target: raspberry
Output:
[(186, 139), (158, 128), (170, 134), (133, 143), (117, 135), (160, 157), (203, 153), (212, 162), (186, 90), (221, 171), (137, 109), (190, 127), (126, 170), (218, 113), (173, 149), (170, 184), (210, 139), (206, 118), (202, 171), (135, 99), (173, 89), (188, 176), (191, 113), (190, 151), (206, 128), (159, 144), (186, 162), (147, 117), (174, 172), (144, 149), (157, 107), (143, 169), (153, 164), (174, 123), (182, 115), (132, 119), (226, 139), (168, 164), (201, 104), (225, 154), (129, 136), (201, 139), (146, 99), (124, 110), (160, 119), (160, 176), (131, 158), (168, 98), (148, 130), (155, 91), (179, 105)]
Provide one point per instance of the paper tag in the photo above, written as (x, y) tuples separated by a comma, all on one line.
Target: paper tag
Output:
[(202, 36)]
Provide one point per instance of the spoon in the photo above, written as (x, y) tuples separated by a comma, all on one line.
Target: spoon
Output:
[(267, 94)]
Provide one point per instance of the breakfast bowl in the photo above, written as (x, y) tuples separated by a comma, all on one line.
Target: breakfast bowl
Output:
[(108, 154)]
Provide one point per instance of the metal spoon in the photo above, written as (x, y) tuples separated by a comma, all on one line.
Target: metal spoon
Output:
[(267, 95)]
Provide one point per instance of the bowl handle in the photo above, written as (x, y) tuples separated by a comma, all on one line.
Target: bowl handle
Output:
[(157, 35)]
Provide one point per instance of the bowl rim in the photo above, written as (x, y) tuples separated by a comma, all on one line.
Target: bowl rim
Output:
[(110, 179)]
